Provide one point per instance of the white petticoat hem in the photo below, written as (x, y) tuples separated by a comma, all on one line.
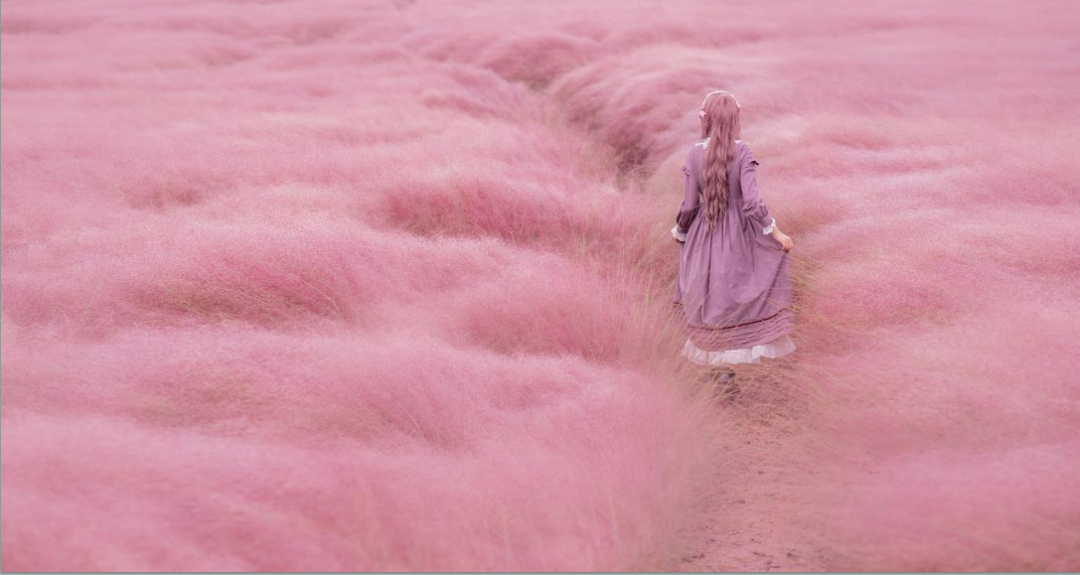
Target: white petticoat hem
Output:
[(778, 347)]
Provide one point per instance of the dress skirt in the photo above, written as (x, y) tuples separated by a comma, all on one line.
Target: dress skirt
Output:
[(772, 350), (739, 344), (734, 290)]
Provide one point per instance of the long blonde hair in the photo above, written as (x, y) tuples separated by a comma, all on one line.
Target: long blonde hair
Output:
[(720, 125)]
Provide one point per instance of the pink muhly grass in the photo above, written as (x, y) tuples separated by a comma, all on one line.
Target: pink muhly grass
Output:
[(387, 288), (243, 328)]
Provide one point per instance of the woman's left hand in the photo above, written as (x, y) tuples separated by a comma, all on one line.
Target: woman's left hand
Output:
[(785, 240)]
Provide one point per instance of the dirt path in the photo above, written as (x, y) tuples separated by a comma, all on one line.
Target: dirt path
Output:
[(754, 522)]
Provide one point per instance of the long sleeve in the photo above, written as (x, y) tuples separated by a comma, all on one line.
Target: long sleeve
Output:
[(689, 208), (752, 204)]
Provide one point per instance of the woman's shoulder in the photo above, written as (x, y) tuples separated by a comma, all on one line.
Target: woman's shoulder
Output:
[(743, 154), (696, 149), (742, 150), (702, 144)]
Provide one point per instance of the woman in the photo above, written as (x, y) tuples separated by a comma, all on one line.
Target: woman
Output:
[(734, 282)]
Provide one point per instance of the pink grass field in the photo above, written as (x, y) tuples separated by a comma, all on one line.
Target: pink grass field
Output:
[(331, 286)]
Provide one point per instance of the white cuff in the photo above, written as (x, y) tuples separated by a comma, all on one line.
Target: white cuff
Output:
[(771, 227), (678, 236)]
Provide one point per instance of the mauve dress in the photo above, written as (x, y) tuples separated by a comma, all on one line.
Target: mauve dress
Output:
[(734, 284)]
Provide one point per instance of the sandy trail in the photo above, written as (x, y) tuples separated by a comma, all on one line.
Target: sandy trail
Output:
[(755, 514)]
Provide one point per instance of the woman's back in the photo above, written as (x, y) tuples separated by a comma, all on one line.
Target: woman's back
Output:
[(741, 171), (734, 282)]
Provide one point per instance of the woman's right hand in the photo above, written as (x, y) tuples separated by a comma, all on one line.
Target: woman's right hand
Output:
[(784, 239)]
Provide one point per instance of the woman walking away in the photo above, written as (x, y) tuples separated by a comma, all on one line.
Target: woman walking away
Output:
[(734, 282)]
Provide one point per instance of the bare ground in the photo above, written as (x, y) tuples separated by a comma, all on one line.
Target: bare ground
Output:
[(755, 520)]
